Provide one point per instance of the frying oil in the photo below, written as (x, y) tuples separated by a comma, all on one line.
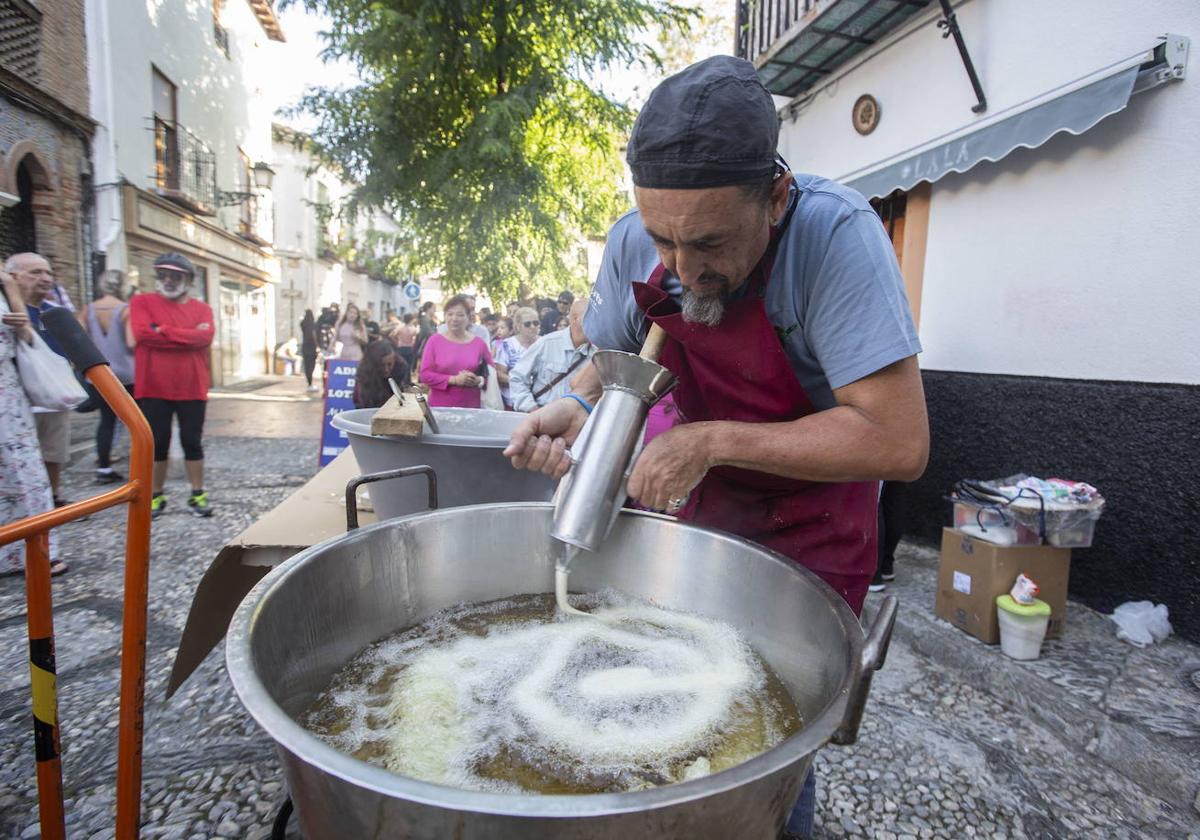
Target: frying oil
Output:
[(511, 695)]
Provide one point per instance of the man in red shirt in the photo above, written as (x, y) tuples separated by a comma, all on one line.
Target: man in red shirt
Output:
[(173, 333)]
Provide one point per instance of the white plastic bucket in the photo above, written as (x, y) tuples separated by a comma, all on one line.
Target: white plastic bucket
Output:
[(1023, 629)]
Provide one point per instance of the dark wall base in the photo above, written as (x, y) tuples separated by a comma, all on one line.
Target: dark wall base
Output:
[(1138, 443)]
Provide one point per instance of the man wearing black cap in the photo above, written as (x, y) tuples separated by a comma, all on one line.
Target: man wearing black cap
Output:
[(173, 333), (788, 329)]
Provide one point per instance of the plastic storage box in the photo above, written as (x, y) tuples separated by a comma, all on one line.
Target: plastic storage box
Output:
[(995, 525)]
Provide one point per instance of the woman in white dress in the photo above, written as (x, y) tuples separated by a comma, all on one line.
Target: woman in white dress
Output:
[(24, 485)]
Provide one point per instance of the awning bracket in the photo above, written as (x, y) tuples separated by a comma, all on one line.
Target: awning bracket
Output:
[(949, 23)]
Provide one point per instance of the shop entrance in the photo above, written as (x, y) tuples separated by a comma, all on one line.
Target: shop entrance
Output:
[(242, 330)]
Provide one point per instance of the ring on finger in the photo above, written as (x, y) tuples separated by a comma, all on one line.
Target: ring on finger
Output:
[(675, 505)]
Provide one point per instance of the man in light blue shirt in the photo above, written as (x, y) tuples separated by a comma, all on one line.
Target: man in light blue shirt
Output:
[(787, 329), (544, 372)]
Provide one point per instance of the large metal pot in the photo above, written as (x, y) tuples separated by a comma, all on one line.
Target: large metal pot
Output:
[(466, 453), (316, 611)]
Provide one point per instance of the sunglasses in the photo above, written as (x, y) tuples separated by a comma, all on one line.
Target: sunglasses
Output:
[(530, 323), (167, 274)]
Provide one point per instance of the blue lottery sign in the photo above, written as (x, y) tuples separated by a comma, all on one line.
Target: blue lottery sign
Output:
[(339, 397), (412, 291)]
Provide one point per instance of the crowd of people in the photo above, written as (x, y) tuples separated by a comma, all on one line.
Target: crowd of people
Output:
[(514, 361), (157, 344)]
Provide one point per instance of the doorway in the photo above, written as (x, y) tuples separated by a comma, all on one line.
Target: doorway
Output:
[(18, 225), (242, 331)]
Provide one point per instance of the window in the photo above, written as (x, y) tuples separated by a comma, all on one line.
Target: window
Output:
[(166, 132), (20, 38)]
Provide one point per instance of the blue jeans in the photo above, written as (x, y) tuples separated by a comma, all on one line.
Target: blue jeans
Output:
[(800, 821)]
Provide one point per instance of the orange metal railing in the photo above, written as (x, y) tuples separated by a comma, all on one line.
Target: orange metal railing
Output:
[(35, 531)]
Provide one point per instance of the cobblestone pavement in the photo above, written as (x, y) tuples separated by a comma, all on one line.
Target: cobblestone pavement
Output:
[(942, 753)]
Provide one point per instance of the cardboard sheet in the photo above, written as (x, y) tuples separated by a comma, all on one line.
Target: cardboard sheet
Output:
[(312, 514)]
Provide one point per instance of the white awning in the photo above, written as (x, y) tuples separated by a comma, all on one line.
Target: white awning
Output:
[(1075, 108)]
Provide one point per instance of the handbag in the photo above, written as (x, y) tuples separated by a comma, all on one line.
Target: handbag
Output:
[(47, 377)]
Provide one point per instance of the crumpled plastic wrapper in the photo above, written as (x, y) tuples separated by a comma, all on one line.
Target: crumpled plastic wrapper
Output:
[(1142, 623)]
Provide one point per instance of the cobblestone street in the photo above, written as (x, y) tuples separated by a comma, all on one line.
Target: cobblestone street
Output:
[(1095, 740)]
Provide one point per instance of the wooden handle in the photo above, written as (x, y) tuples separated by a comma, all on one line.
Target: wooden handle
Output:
[(655, 339)]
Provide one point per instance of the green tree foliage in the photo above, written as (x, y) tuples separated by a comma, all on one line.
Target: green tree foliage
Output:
[(477, 122)]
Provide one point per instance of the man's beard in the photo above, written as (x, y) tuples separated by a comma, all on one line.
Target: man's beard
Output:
[(172, 290), (707, 308)]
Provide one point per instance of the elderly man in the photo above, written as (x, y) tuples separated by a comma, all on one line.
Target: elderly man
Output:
[(173, 332), (544, 372), (788, 329), (35, 278)]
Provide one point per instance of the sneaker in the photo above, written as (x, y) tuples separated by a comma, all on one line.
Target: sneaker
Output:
[(108, 477), (158, 503), (887, 568), (312, 389), (198, 502), (878, 583)]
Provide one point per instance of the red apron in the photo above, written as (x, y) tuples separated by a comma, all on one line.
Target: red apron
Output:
[(739, 371)]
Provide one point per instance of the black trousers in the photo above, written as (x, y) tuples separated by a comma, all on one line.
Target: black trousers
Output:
[(191, 425), (893, 509), (104, 432), (310, 364)]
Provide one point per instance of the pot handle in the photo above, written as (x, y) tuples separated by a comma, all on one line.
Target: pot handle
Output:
[(874, 652), (370, 478)]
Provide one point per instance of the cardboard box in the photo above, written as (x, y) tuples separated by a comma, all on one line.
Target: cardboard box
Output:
[(313, 514), (972, 572)]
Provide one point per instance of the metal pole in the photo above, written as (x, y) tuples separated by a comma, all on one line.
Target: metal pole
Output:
[(137, 594), (42, 676), (950, 24)]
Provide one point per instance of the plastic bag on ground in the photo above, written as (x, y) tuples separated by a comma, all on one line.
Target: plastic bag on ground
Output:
[(1141, 623)]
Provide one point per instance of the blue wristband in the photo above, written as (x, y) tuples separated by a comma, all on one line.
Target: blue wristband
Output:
[(587, 406)]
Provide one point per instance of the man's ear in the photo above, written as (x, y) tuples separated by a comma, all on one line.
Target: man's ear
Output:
[(779, 196)]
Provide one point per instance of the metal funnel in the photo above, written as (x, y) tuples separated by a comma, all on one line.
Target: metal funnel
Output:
[(648, 381), (590, 495)]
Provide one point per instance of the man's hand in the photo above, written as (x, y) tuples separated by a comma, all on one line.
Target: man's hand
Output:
[(540, 443), (670, 466)]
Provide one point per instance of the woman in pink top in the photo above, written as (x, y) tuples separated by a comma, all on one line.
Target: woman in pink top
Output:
[(453, 364)]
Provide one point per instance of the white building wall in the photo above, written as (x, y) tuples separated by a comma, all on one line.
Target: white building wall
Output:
[(318, 281), (219, 99), (1075, 260)]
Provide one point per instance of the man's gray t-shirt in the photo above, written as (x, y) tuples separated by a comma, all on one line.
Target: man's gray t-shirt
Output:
[(835, 291)]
